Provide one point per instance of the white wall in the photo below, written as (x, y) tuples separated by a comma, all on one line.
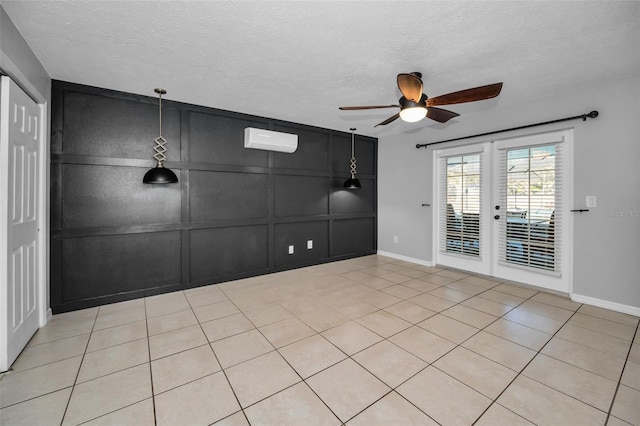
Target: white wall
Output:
[(19, 62), (606, 164)]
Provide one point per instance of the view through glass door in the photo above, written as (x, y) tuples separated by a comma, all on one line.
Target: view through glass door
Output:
[(463, 225), (503, 210)]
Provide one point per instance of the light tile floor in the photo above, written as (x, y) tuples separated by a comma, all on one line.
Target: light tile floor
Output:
[(365, 341)]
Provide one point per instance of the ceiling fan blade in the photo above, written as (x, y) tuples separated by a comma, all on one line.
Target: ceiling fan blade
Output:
[(469, 95), (352, 108), (411, 86), (440, 115), (388, 120)]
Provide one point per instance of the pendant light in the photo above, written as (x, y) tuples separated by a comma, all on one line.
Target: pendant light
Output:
[(160, 174), (352, 182)]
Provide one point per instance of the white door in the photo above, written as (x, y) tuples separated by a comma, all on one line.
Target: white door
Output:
[(503, 209), (533, 189), (20, 135), (463, 197)]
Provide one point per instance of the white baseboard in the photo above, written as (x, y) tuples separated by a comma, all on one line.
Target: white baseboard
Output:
[(614, 306), (406, 258)]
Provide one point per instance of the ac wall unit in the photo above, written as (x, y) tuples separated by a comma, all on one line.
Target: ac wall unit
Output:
[(270, 140)]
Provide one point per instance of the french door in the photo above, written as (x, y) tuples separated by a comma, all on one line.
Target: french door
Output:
[(463, 189), (20, 145), (503, 209)]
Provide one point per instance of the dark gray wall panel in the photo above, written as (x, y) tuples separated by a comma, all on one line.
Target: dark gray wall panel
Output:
[(365, 151), (106, 265), (233, 213), (353, 236), (345, 201), (220, 140), (222, 195), (107, 127), (115, 196), (220, 252), (300, 196), (297, 234), (312, 152)]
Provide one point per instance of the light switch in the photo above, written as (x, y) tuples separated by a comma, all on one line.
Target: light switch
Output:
[(291, 249), (309, 244), (591, 201)]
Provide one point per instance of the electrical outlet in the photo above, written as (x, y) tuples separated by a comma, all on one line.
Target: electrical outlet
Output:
[(291, 249), (591, 201), (309, 244), (395, 238)]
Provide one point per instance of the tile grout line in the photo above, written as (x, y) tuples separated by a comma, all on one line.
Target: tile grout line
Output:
[(117, 371), (393, 389), (222, 369), (460, 344), (302, 379), (615, 393), (524, 368), (476, 333), (73, 386), (153, 397)]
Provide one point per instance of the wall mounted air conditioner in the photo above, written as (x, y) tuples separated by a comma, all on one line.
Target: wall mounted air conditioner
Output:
[(270, 140)]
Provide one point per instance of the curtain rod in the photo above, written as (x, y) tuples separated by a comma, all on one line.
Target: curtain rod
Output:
[(592, 114)]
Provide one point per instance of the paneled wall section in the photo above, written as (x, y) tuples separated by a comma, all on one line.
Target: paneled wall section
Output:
[(233, 214)]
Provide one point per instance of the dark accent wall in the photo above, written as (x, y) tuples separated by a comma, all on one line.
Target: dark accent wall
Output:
[(233, 214)]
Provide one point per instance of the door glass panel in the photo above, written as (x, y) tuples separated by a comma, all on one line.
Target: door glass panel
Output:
[(463, 205), (531, 206)]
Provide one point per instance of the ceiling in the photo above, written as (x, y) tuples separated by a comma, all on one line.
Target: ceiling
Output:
[(300, 61)]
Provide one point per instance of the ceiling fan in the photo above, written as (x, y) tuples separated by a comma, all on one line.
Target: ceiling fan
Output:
[(415, 105)]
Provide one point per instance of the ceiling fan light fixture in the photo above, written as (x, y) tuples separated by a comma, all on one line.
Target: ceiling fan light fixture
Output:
[(415, 105), (411, 115)]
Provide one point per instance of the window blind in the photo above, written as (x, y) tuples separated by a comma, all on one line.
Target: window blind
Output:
[(531, 206), (461, 204)]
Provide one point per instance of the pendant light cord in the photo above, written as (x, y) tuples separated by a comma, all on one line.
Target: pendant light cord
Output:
[(160, 111), (353, 154), (160, 148)]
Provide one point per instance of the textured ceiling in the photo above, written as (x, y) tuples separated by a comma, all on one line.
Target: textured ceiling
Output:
[(299, 61)]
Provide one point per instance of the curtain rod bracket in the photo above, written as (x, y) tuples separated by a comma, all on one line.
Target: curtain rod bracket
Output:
[(592, 114)]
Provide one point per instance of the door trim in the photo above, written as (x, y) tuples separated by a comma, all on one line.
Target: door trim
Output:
[(540, 278), (44, 208), (568, 172)]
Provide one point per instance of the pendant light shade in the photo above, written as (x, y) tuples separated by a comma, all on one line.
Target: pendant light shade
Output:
[(160, 174), (352, 182), (411, 115)]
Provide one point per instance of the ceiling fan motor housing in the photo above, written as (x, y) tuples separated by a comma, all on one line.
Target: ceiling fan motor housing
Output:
[(407, 103)]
